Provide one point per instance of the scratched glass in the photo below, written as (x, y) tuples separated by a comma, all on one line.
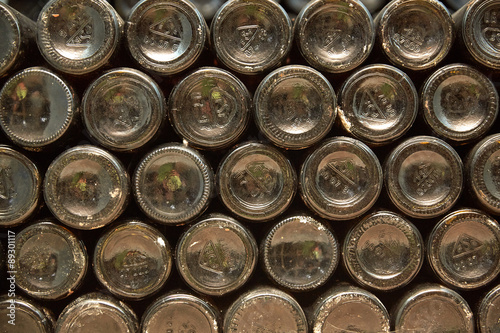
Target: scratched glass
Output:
[(478, 27), (415, 34), (181, 312), (459, 103), (97, 312), (334, 35), (123, 109), (78, 36), (432, 308), (132, 260), (346, 308), (216, 255), (488, 313), (265, 309), (27, 317), (38, 109), (18, 38), (20, 185), (51, 262), (378, 104), (424, 177), (166, 37), (251, 36), (464, 249)]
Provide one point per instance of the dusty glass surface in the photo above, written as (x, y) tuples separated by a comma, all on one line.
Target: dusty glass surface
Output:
[(217, 255), (51, 261), (86, 187), (251, 36), (459, 103), (210, 108), (29, 317), (123, 109), (383, 251), (424, 176), (10, 43), (463, 249), (256, 181), (20, 184), (295, 106), (173, 184), (300, 253), (132, 260), (166, 37), (265, 309), (78, 37), (488, 313), (341, 179), (334, 36), (415, 34), (180, 312), (36, 108)]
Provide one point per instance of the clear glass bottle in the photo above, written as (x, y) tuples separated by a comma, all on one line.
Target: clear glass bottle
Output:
[(488, 313), (265, 309), (78, 36), (346, 308), (18, 39), (166, 37), (256, 181), (123, 109), (181, 312), (86, 187), (132, 260), (20, 185), (38, 109), (334, 35), (300, 253), (384, 251), (217, 255), (483, 173), (173, 184), (51, 262), (251, 36), (459, 103), (432, 308), (424, 177), (378, 104), (415, 34), (295, 106), (97, 312), (210, 108), (341, 179), (20, 315), (463, 249), (478, 27)]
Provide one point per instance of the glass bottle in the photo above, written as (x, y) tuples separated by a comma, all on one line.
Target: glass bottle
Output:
[(132, 260), (300, 253), (459, 103), (488, 314), (38, 109), (78, 36), (334, 35), (378, 104), (20, 185), (166, 37), (210, 108), (217, 255), (294, 106), (123, 109), (341, 179), (424, 177), (256, 181), (51, 261), (20, 315), (251, 36), (463, 249), (415, 34), (86, 187)]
